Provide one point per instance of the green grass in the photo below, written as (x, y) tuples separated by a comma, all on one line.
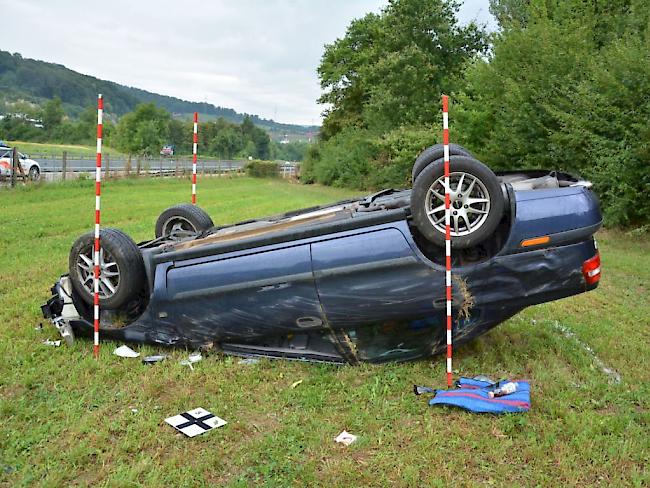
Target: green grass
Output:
[(47, 149), (67, 419)]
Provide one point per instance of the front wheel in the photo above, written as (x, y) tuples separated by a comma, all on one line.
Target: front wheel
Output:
[(476, 202), (182, 221), (121, 268)]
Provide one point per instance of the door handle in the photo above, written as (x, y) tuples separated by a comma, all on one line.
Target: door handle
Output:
[(305, 322)]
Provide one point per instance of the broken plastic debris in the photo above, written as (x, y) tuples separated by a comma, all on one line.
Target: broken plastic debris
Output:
[(248, 361), (193, 358), (64, 328), (421, 390), (482, 377), (295, 383), (48, 342), (125, 352), (346, 438), (154, 359)]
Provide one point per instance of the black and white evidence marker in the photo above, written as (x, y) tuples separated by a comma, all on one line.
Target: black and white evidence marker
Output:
[(195, 422)]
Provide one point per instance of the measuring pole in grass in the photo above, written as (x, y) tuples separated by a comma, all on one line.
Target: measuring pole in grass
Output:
[(195, 144), (96, 249), (445, 142)]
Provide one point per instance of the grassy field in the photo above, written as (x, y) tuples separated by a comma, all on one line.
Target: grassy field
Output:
[(70, 420), (36, 148)]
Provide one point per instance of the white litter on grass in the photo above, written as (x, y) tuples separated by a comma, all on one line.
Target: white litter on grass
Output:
[(611, 373), (248, 361), (346, 438), (48, 342), (126, 352), (195, 422), (193, 358), (295, 383), (154, 359)]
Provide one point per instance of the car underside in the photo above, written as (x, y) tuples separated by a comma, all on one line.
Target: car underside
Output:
[(356, 281)]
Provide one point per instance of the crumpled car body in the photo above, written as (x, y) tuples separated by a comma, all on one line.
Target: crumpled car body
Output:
[(352, 282)]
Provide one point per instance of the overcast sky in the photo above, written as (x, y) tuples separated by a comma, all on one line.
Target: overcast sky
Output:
[(255, 56)]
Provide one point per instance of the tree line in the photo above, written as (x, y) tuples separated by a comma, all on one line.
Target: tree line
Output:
[(563, 84), (145, 130)]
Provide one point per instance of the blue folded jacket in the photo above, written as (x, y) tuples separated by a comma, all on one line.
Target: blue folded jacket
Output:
[(473, 395)]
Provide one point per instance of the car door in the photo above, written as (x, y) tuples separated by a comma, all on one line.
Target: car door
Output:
[(373, 276), (5, 161), (247, 294), (388, 302)]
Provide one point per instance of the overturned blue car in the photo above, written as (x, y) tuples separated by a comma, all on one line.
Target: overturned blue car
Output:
[(362, 280)]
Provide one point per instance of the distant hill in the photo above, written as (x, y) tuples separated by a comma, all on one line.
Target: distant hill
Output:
[(38, 81)]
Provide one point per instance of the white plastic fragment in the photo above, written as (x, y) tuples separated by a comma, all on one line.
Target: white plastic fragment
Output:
[(248, 361), (345, 438), (126, 352), (48, 342), (192, 358), (295, 383), (154, 359)]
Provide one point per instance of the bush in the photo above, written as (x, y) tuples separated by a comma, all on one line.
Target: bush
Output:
[(262, 169), (357, 158)]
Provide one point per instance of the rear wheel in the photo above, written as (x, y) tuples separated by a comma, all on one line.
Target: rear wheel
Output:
[(476, 202), (122, 273), (433, 153), (182, 220), (34, 173)]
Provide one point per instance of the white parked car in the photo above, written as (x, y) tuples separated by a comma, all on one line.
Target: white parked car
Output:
[(31, 168)]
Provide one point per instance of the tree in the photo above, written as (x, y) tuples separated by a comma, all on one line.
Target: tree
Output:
[(180, 135), (390, 69), (510, 13), (53, 114), (227, 143), (143, 131), (568, 90)]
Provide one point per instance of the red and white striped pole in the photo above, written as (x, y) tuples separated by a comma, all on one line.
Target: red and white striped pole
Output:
[(445, 142), (96, 253), (195, 143)]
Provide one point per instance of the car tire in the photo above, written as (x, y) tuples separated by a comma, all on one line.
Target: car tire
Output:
[(122, 273), (433, 153), (479, 204), (34, 173), (182, 220)]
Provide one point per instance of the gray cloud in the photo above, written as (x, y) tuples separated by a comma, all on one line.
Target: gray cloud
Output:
[(251, 55)]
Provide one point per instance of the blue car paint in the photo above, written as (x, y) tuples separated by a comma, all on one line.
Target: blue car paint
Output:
[(551, 211), (367, 294)]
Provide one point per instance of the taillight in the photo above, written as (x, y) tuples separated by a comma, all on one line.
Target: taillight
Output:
[(591, 269)]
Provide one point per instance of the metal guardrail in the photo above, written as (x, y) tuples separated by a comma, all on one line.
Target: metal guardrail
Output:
[(60, 163), (61, 166)]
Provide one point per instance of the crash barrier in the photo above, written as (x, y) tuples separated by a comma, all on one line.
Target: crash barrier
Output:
[(195, 144), (96, 249), (116, 166), (445, 142)]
